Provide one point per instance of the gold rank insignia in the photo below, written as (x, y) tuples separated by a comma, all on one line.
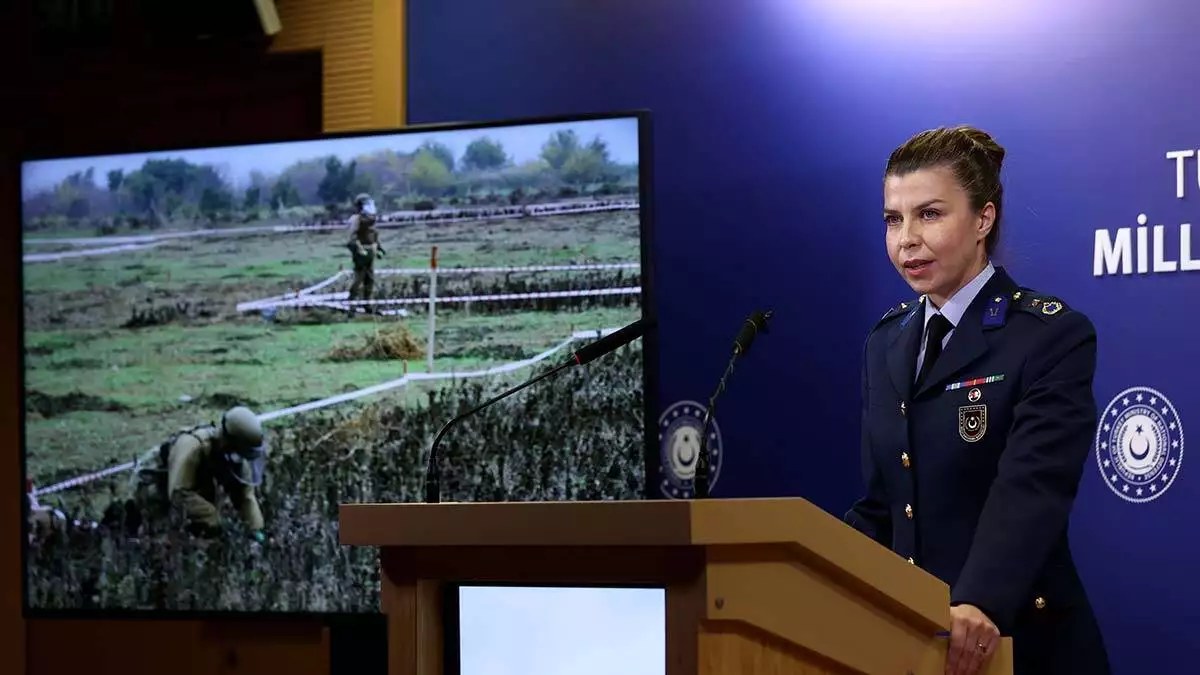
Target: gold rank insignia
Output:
[(900, 309), (1043, 306), (1051, 308)]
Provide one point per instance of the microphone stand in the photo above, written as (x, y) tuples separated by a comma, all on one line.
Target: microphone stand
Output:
[(433, 486), (701, 486), (745, 338)]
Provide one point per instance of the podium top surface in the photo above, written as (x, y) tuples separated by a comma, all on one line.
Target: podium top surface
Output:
[(796, 524), (602, 524)]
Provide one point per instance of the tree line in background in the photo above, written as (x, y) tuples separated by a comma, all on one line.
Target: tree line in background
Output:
[(166, 191)]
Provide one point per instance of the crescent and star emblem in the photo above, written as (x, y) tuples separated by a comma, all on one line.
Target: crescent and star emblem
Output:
[(1139, 456)]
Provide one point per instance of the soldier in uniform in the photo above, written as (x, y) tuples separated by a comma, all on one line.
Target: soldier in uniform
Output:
[(231, 455), (978, 415), (364, 247)]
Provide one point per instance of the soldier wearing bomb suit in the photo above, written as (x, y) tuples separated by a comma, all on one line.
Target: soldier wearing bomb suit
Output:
[(978, 416), (231, 455), (364, 247)]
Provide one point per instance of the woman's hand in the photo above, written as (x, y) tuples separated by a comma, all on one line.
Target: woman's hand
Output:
[(973, 638)]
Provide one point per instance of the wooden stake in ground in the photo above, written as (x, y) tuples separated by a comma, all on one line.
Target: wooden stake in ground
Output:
[(432, 308)]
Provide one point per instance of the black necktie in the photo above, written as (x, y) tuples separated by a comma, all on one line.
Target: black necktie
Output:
[(935, 334)]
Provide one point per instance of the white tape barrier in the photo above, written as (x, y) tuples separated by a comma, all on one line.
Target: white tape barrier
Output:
[(340, 398), (396, 219), (292, 299), (89, 477), (395, 271), (404, 218), (318, 286), (63, 255), (342, 298), (287, 296), (108, 240), (550, 208)]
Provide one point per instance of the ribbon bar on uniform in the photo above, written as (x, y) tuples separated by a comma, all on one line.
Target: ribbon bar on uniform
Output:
[(974, 383)]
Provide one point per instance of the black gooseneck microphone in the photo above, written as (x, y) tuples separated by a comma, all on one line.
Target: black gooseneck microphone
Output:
[(757, 323), (587, 353)]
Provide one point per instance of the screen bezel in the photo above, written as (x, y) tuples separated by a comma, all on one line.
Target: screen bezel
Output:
[(452, 611), (650, 354)]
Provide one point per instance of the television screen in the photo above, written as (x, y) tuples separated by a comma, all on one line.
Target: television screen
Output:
[(514, 630), (221, 345)]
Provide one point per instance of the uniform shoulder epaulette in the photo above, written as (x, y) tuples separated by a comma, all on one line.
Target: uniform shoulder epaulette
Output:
[(899, 310), (1040, 304)]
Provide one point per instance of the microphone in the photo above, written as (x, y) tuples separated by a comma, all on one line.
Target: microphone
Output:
[(757, 323), (589, 352), (611, 342), (754, 325)]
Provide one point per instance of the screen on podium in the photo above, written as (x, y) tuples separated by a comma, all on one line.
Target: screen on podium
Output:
[(522, 630)]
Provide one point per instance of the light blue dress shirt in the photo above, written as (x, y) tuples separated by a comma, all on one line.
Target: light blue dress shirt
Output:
[(953, 310)]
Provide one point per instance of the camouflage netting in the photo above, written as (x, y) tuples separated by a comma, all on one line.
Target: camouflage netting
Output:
[(574, 437)]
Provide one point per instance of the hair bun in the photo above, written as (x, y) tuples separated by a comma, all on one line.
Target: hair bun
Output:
[(982, 140), (975, 158)]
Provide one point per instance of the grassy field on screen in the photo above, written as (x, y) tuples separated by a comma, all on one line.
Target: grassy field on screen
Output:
[(162, 290)]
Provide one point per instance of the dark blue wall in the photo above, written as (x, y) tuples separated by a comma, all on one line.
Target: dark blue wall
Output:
[(773, 120)]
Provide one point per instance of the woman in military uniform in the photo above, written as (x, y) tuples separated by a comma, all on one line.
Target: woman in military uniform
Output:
[(978, 416)]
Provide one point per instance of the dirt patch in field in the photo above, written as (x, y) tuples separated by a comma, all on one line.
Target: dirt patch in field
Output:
[(50, 405), (310, 316), (133, 305), (491, 352), (161, 313), (393, 342), (224, 400), (239, 362), (76, 364)]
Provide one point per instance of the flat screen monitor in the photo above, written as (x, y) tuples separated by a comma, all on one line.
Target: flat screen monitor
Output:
[(223, 344), (521, 630)]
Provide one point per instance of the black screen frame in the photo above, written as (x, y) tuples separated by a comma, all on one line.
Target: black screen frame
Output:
[(650, 353)]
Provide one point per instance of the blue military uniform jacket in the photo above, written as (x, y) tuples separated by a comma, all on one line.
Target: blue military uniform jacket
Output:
[(972, 476)]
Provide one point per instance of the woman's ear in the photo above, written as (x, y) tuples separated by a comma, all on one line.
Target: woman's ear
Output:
[(987, 218)]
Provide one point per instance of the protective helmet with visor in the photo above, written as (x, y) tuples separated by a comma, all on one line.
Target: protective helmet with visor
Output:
[(244, 448)]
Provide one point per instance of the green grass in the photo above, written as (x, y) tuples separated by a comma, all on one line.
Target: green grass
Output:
[(133, 387), (288, 261), (267, 366), (64, 228), (100, 394)]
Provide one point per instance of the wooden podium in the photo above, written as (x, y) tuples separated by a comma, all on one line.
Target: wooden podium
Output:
[(763, 586)]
